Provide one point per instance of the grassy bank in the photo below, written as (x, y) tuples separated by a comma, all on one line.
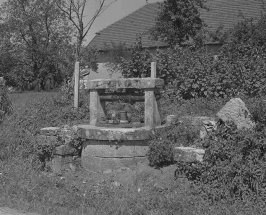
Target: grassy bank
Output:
[(25, 186)]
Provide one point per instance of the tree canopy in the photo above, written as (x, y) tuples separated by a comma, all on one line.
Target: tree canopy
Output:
[(178, 21), (37, 44)]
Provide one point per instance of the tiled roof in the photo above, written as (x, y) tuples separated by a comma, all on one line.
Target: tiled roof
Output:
[(221, 13)]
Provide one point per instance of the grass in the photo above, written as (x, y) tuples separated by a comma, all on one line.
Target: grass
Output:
[(25, 187)]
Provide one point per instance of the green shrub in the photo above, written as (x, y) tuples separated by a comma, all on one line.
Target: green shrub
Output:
[(160, 152), (165, 139), (233, 168)]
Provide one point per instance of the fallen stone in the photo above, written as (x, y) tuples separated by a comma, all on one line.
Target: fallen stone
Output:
[(236, 111), (188, 154)]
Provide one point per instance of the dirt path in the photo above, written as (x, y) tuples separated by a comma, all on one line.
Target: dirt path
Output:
[(9, 211)]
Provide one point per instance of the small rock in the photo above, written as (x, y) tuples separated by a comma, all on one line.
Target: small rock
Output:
[(236, 111)]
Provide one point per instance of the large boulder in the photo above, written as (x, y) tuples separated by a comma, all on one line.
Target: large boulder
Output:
[(236, 111)]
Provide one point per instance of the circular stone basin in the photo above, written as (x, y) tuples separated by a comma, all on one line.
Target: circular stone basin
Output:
[(106, 148)]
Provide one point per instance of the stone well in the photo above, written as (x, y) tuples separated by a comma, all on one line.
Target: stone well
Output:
[(112, 147)]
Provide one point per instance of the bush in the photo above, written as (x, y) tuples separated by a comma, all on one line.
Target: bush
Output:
[(160, 152), (240, 68), (233, 168)]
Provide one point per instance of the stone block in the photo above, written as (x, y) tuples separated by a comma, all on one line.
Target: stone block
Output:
[(108, 133), (99, 164), (236, 111), (188, 154), (104, 155)]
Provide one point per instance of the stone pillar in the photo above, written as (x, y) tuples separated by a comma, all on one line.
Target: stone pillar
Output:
[(97, 107), (94, 106), (152, 116)]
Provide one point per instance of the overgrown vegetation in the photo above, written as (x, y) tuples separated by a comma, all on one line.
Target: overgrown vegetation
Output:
[(231, 180)]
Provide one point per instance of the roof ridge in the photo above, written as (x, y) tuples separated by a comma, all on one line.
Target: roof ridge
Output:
[(222, 12), (99, 32)]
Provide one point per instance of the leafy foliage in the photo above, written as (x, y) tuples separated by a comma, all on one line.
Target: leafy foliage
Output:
[(38, 35), (138, 64), (36, 47), (115, 54), (178, 21), (161, 149), (233, 167)]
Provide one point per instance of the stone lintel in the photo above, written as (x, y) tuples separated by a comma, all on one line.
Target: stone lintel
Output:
[(139, 83), (91, 132)]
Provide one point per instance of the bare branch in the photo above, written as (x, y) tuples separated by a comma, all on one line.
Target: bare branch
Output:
[(98, 13), (74, 10)]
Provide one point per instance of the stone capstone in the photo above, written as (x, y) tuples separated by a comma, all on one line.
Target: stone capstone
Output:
[(236, 111), (92, 132), (121, 83)]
